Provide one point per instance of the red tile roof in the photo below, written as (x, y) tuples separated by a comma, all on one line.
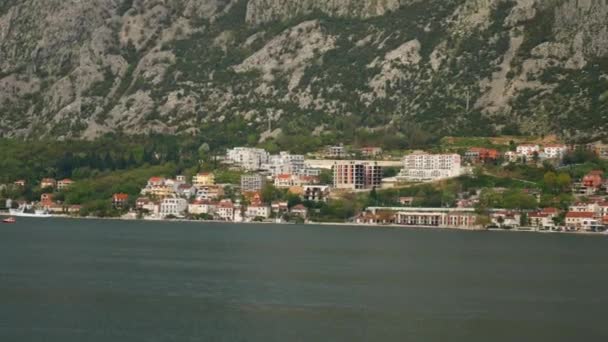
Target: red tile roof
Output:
[(121, 197), (576, 214)]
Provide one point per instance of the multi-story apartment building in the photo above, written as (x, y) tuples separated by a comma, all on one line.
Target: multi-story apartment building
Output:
[(355, 175), (284, 163), (554, 151), (527, 149), (316, 193), (429, 167), (251, 183), (173, 206), (250, 159)]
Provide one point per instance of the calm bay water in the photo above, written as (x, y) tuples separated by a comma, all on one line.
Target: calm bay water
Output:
[(71, 280)]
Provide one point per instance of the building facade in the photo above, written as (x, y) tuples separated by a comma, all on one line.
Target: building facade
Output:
[(421, 167), (352, 175), (173, 206), (316, 193), (250, 159), (252, 183), (203, 179)]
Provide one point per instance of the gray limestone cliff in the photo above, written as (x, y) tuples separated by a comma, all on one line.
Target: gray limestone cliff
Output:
[(81, 68)]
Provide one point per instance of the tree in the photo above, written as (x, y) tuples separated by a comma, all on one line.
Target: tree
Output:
[(523, 219), (563, 181), (270, 193), (550, 181)]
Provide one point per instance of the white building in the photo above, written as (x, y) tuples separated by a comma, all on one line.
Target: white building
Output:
[(527, 149), (555, 151), (226, 210), (257, 210), (250, 159), (430, 167), (284, 163), (173, 206)]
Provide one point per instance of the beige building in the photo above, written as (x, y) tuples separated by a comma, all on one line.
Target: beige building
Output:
[(203, 179), (354, 175)]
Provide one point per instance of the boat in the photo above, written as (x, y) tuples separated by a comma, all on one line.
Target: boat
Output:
[(21, 213), (9, 220)]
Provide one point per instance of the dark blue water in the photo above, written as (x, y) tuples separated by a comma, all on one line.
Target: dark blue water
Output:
[(68, 280)]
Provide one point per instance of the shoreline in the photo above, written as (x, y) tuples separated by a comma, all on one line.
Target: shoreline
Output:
[(335, 224)]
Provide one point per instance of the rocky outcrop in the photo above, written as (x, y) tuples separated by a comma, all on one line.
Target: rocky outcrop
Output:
[(81, 68), (262, 11)]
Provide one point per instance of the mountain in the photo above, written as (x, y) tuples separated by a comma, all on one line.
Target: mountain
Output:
[(263, 69)]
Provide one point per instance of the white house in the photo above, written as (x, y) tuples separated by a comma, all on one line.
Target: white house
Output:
[(173, 206), (257, 210), (225, 210)]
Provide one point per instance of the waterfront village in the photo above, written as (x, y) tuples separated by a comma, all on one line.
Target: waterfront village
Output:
[(367, 186)]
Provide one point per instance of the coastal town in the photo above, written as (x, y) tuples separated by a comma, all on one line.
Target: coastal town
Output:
[(296, 188)]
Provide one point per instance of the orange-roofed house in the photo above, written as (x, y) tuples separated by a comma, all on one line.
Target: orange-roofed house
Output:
[(120, 200), (300, 210), (283, 181), (480, 154), (593, 179), (225, 210), (580, 220)]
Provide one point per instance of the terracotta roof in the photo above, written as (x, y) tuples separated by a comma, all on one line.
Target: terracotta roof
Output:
[(576, 214), (121, 197), (299, 207)]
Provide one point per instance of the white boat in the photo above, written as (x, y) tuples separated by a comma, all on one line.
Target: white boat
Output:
[(21, 213)]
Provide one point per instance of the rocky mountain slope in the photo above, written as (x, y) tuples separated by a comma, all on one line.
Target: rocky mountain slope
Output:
[(80, 68)]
